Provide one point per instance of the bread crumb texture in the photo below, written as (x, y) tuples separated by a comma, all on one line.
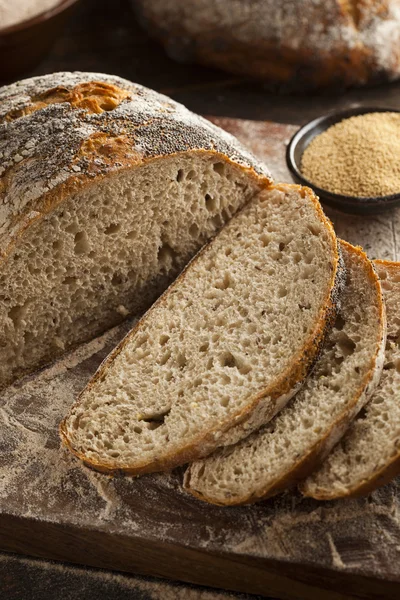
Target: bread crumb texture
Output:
[(279, 454), (243, 322)]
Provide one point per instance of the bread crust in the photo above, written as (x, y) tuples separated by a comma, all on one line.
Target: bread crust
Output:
[(296, 44), (62, 132), (316, 454), (392, 468), (287, 384)]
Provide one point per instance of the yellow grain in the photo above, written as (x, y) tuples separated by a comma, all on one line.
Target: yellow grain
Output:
[(359, 156)]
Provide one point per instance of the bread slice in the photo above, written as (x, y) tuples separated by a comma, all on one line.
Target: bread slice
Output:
[(284, 451), (368, 456), (107, 189), (239, 329)]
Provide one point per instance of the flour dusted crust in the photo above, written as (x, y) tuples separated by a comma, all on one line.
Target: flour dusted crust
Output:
[(63, 131), (293, 42)]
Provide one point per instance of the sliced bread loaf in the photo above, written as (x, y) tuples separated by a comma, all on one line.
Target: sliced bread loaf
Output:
[(288, 448), (239, 329), (368, 456), (107, 189)]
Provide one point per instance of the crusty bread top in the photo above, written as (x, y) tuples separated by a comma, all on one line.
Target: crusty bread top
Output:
[(61, 131), (353, 41)]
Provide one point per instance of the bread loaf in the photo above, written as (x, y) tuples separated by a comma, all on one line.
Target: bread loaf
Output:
[(225, 347), (296, 44), (368, 456), (288, 448), (107, 189)]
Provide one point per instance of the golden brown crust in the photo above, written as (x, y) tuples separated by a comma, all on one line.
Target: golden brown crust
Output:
[(299, 44), (293, 375)]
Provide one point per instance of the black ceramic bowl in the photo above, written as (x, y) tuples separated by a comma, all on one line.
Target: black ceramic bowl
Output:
[(350, 204), (22, 46)]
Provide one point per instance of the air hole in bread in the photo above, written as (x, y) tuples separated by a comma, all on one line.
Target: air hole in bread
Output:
[(72, 228), (156, 420), (282, 246), (245, 369), (192, 175), (308, 258), (81, 243), (165, 357), (163, 339), (224, 283), (362, 414), (70, 281), (219, 168), (339, 323), (57, 245), (117, 279), (228, 360), (297, 257), (113, 228), (265, 239), (16, 314), (181, 360), (304, 306), (131, 235), (142, 339), (315, 229), (345, 344), (166, 255), (282, 292), (180, 175), (137, 429), (226, 215), (204, 347), (224, 401), (217, 221), (194, 230)]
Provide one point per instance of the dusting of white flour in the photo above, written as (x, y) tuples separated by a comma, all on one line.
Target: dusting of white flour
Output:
[(17, 11)]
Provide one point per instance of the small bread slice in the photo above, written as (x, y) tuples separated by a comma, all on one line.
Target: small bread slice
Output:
[(239, 329), (287, 449), (368, 456)]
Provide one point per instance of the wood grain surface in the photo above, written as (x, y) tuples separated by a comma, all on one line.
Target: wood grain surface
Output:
[(289, 547)]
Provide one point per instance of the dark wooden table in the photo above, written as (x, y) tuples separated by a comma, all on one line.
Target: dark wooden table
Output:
[(103, 36)]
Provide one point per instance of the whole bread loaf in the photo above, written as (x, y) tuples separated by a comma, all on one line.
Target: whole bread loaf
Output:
[(107, 189), (226, 346), (297, 43)]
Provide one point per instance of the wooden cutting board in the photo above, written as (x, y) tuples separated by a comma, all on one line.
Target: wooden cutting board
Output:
[(287, 547)]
